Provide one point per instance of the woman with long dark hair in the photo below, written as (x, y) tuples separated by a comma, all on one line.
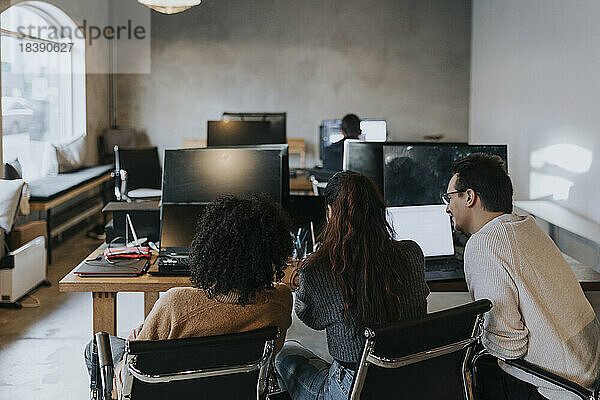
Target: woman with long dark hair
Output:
[(358, 277)]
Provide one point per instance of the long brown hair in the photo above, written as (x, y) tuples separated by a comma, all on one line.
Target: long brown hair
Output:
[(358, 245)]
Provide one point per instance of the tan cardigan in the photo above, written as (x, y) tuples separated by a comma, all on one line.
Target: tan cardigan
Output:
[(189, 312)]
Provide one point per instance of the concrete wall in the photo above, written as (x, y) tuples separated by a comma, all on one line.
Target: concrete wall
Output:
[(406, 61), (535, 86)]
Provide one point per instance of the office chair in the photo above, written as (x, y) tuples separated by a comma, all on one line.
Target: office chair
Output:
[(425, 358), (570, 386), (137, 173), (232, 366)]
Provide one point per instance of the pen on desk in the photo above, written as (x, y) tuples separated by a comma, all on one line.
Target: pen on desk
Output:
[(312, 234), (304, 237)]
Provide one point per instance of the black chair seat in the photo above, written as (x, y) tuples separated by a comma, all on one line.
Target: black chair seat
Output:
[(424, 358), (233, 366)]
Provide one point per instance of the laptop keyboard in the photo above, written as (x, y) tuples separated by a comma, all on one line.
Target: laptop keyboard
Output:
[(443, 269), (443, 264), (179, 265)]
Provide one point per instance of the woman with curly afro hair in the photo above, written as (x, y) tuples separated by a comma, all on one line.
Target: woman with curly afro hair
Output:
[(241, 245)]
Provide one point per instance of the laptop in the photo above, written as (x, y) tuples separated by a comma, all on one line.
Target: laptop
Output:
[(177, 229), (431, 228)]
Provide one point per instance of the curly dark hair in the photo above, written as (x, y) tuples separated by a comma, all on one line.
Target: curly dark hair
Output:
[(240, 245)]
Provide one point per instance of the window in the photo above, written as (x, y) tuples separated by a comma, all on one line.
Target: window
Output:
[(43, 85)]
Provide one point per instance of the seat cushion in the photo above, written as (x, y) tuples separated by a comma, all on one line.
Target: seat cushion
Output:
[(50, 187)]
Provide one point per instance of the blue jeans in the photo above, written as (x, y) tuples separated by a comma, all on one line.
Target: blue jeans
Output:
[(117, 347), (305, 376)]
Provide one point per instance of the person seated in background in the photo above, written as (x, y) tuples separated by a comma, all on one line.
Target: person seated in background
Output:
[(240, 247), (359, 276), (333, 154), (539, 310)]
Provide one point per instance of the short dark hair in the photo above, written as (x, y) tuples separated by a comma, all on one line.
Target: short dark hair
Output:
[(351, 125), (486, 175), (240, 245)]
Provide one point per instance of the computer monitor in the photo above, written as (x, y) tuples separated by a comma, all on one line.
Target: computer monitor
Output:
[(277, 123), (178, 224), (374, 130), (330, 131), (418, 173), (199, 176), (365, 158), (238, 133)]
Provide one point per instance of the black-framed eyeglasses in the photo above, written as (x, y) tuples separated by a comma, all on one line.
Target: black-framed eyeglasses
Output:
[(446, 196)]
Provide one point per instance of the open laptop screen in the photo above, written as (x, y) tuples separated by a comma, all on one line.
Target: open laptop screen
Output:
[(429, 226), (178, 224)]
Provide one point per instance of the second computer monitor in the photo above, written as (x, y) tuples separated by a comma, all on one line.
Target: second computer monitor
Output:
[(365, 158), (202, 175), (277, 122), (418, 173), (240, 133)]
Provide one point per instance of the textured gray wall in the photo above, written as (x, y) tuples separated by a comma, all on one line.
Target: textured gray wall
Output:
[(535, 86), (403, 60)]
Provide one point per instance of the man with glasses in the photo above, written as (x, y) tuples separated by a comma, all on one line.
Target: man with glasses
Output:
[(539, 311)]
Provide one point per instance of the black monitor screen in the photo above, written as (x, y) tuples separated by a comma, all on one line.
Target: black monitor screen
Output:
[(202, 175), (365, 158), (418, 174), (142, 166), (178, 224), (277, 122), (240, 133)]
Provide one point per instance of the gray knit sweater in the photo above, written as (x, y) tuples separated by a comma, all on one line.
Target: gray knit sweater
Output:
[(539, 310), (319, 302)]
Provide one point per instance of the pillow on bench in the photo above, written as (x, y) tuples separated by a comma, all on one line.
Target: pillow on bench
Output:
[(70, 156), (13, 170)]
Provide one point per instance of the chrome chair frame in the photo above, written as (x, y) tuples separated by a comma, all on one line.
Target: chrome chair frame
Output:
[(368, 357), (263, 364)]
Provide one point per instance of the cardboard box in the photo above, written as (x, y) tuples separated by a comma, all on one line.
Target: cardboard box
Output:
[(23, 234)]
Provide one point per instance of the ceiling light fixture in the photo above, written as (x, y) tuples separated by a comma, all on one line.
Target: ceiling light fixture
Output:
[(170, 6)]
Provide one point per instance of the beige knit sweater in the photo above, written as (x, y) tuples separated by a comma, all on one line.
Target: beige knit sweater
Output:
[(539, 310), (189, 312)]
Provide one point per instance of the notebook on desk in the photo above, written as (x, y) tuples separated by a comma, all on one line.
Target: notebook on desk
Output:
[(100, 267), (431, 228)]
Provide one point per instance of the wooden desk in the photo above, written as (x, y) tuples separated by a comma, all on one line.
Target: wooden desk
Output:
[(301, 184), (104, 291), (588, 278)]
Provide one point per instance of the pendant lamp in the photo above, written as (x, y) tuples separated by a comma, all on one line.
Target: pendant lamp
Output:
[(170, 6)]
